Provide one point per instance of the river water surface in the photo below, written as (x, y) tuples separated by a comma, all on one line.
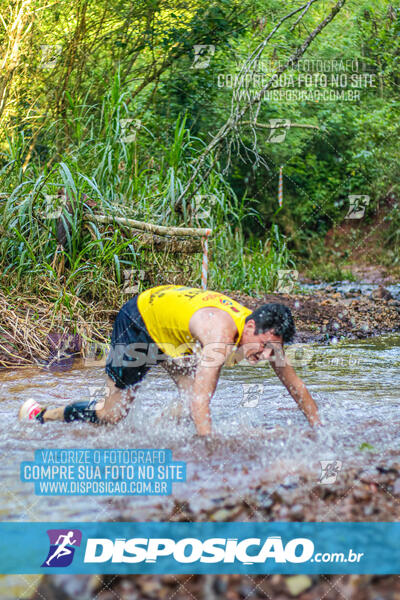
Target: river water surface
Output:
[(259, 434)]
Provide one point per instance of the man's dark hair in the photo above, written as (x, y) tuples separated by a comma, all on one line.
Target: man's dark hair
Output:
[(276, 318)]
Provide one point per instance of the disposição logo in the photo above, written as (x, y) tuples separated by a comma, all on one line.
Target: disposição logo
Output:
[(62, 547)]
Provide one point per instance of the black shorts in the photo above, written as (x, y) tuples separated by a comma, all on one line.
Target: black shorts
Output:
[(129, 359)]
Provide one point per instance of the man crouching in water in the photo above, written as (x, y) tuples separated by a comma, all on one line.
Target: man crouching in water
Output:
[(169, 323)]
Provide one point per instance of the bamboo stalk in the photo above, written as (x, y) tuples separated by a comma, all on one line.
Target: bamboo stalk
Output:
[(157, 229)]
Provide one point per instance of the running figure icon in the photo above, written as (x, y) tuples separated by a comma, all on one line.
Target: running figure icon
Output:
[(62, 550)]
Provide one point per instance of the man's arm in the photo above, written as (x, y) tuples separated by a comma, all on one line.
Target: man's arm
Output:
[(215, 330), (297, 389), (204, 385)]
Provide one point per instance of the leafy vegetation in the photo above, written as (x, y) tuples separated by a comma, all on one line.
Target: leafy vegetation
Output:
[(103, 102)]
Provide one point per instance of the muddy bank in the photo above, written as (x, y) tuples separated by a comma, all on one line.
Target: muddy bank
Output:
[(31, 332), (371, 494), (328, 314), (35, 331), (358, 495)]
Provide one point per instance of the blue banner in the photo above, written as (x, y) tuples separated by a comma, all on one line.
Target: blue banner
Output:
[(253, 548)]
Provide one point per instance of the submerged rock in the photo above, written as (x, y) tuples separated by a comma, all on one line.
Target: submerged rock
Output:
[(381, 293), (297, 584)]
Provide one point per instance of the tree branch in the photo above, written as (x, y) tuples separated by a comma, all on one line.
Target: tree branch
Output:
[(234, 119)]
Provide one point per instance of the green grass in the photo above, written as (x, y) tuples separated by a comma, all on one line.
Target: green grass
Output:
[(142, 179), (329, 272), (251, 267)]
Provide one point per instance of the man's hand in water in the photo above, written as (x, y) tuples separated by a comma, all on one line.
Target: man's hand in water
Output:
[(297, 389), (204, 385)]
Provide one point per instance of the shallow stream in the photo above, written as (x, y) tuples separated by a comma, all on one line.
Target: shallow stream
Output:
[(259, 434)]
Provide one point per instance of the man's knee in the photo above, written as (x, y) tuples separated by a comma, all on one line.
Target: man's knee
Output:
[(111, 415), (115, 406)]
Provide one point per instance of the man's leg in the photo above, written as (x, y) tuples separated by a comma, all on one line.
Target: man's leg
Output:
[(116, 404), (124, 373), (182, 371), (112, 409)]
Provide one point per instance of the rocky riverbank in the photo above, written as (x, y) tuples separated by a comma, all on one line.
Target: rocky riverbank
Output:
[(327, 314)]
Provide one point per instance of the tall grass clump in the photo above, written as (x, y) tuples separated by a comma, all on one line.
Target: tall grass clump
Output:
[(113, 163)]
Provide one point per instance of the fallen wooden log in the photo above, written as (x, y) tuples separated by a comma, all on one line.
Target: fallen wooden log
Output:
[(150, 227)]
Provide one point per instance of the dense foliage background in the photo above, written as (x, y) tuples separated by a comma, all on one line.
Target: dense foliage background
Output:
[(73, 72)]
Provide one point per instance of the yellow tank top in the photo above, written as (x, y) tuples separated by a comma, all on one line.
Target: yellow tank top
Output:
[(167, 310)]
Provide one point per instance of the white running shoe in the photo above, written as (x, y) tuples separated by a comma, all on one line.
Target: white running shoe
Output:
[(30, 410)]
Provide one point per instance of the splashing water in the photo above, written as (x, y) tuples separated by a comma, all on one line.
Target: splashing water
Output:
[(259, 434)]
